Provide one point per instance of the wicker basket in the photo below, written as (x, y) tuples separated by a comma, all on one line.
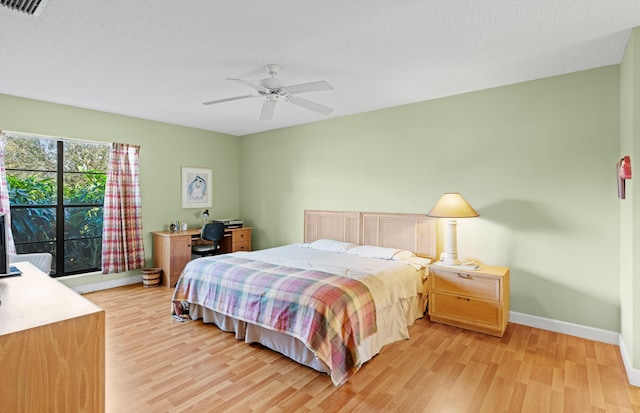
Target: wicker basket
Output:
[(151, 277)]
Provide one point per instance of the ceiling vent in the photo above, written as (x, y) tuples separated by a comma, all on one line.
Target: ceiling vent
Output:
[(30, 7)]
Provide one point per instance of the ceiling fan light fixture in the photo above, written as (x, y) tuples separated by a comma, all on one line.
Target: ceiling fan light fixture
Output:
[(271, 83)]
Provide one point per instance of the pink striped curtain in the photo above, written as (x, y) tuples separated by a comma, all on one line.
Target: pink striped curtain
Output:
[(4, 199), (122, 243)]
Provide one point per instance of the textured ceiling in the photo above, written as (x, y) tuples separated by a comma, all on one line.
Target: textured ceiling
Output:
[(160, 59)]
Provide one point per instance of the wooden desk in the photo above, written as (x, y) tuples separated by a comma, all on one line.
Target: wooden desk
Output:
[(172, 250), (52, 346)]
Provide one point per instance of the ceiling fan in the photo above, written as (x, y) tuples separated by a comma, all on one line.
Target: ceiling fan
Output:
[(273, 90)]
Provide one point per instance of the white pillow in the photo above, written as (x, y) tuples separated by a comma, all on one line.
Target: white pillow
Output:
[(331, 245), (373, 251), (403, 255)]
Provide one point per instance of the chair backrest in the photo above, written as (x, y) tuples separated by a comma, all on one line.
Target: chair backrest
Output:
[(42, 260), (213, 231)]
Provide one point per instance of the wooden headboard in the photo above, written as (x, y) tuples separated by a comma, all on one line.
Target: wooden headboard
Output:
[(413, 232)]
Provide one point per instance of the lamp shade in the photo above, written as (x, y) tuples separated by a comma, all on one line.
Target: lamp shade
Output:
[(452, 205)]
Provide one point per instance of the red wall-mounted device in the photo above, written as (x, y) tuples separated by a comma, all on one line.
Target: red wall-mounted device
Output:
[(623, 172)]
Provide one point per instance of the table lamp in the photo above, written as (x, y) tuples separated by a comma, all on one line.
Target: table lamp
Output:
[(205, 217), (452, 205)]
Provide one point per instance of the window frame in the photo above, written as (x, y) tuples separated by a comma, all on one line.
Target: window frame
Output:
[(61, 237)]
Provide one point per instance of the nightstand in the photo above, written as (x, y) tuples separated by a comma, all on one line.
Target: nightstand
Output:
[(476, 300)]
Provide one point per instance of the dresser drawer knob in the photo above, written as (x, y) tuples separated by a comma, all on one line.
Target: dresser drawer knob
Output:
[(465, 276)]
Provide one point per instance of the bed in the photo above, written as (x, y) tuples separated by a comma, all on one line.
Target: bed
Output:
[(330, 303)]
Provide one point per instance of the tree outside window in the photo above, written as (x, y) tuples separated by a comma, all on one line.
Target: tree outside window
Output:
[(48, 179)]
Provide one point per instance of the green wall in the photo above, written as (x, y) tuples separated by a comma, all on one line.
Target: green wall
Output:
[(164, 150), (535, 159)]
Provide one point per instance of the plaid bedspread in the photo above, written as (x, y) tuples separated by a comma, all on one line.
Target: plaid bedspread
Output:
[(331, 314)]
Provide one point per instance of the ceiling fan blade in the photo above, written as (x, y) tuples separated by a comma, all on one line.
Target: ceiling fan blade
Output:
[(267, 109), (212, 102), (250, 84), (309, 87), (307, 104)]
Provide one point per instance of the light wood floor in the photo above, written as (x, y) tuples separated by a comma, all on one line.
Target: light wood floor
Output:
[(155, 364)]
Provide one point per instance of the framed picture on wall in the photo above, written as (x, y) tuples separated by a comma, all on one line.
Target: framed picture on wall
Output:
[(196, 187)]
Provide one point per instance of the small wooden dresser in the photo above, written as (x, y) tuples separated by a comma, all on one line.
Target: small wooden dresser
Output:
[(52, 346), (476, 300)]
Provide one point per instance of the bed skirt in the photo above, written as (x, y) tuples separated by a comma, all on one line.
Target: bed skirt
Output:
[(393, 322)]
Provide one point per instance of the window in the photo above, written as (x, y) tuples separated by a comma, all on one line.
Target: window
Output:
[(56, 191)]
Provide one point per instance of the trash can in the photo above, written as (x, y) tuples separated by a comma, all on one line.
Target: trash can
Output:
[(151, 277)]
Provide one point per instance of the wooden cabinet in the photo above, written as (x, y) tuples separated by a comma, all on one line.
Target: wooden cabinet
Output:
[(172, 250), (52, 346), (476, 300), (240, 239)]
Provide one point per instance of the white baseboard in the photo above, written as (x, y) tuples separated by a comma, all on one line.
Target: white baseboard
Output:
[(633, 374), (590, 333), (104, 285), (577, 330)]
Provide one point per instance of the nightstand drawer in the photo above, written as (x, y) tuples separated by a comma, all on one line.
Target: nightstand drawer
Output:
[(467, 283), (467, 311)]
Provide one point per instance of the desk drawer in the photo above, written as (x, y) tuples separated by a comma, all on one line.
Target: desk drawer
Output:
[(241, 240), (241, 235), (467, 284), (241, 246)]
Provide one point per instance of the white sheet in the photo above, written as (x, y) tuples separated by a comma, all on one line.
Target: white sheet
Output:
[(388, 281)]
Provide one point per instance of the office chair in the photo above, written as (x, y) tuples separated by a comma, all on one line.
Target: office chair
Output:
[(214, 232)]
